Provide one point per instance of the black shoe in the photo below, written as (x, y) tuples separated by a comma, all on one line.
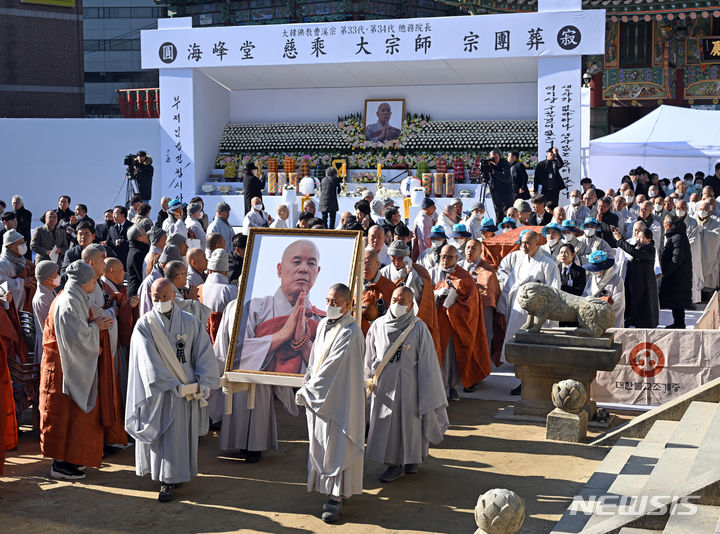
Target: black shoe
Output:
[(470, 389), (253, 457), (393, 472), (65, 471), (216, 427), (411, 469), (166, 493), (453, 395), (331, 510), (109, 450), (517, 390), (676, 326)]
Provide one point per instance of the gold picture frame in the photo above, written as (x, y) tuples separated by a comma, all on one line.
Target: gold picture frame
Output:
[(247, 277), (395, 123)]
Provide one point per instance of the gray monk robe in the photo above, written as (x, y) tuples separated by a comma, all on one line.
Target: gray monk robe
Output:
[(166, 425), (334, 400), (408, 404), (256, 429)]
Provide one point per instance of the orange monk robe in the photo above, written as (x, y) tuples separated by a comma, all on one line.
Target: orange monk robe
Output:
[(489, 288), (382, 289), (116, 434), (8, 421), (213, 322), (66, 432), (427, 311), (464, 322)]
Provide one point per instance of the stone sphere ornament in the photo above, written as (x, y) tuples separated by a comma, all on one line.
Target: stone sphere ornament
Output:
[(499, 511), (569, 395)]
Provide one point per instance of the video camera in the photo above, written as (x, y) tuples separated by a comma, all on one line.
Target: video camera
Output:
[(130, 161), (487, 165)]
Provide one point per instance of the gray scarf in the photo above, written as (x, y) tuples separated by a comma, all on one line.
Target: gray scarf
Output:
[(396, 325), (18, 261)]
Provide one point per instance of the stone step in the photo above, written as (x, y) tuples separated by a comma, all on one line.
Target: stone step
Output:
[(704, 521), (633, 530), (681, 449)]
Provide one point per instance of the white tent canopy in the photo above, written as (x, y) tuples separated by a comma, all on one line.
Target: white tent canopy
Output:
[(670, 141)]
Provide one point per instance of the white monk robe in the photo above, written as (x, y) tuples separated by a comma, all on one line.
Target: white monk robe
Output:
[(194, 278), (196, 228), (165, 425), (222, 227), (41, 307), (410, 278), (255, 219), (516, 269), (693, 233), (429, 259), (474, 225), (193, 307), (10, 267), (172, 226), (334, 400), (709, 230), (216, 293), (408, 405), (610, 283), (587, 245), (145, 304), (256, 429)]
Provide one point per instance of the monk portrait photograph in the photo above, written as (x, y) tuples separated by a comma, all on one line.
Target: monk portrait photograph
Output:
[(383, 119), (284, 299)]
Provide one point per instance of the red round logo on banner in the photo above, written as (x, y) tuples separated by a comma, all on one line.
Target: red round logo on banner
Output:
[(646, 359)]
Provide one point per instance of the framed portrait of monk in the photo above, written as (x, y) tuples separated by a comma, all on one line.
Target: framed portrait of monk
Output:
[(281, 298), (383, 119)]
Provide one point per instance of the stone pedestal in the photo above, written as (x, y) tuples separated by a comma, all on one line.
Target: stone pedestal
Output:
[(542, 359), (566, 426)]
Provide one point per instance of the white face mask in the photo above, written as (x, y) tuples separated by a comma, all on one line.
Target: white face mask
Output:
[(575, 200), (505, 229), (658, 208), (477, 216), (652, 194), (589, 232), (258, 207), (461, 243), (398, 310), (56, 281), (552, 241), (437, 243), (333, 312), (163, 307), (629, 199), (680, 213), (702, 213), (569, 238), (22, 249)]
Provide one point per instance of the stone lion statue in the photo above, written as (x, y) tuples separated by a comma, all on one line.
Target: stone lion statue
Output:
[(545, 303)]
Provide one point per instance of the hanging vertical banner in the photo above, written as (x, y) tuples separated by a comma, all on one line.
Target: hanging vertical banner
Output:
[(559, 85), (177, 137)]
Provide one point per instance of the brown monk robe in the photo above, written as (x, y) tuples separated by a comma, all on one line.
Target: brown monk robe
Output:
[(377, 291), (73, 413), (8, 421), (461, 319), (487, 283)]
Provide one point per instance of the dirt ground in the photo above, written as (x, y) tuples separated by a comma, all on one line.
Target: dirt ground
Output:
[(478, 453)]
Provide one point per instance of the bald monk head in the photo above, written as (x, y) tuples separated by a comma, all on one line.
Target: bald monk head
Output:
[(214, 240), (176, 272), (94, 256), (530, 243), (404, 297), (376, 237), (114, 271), (448, 257), (339, 295), (196, 259), (298, 269), (371, 264), (472, 250), (162, 290)]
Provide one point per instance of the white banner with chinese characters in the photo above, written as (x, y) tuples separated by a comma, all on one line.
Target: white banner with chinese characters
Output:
[(177, 135), (559, 113), (658, 365), (516, 35)]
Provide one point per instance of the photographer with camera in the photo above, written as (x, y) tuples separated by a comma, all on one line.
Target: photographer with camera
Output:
[(497, 171), (141, 170)]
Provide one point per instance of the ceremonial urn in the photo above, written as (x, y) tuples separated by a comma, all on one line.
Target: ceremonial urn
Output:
[(438, 183), (293, 179), (449, 184), (427, 183), (272, 182)]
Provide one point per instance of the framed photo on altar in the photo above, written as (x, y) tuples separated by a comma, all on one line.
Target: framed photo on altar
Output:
[(383, 119), (281, 299)]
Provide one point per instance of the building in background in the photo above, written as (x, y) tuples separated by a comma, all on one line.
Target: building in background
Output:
[(41, 64), (112, 51)]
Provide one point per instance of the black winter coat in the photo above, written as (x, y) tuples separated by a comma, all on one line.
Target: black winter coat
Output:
[(676, 264), (252, 187), (137, 250), (519, 180), (329, 189), (641, 309)]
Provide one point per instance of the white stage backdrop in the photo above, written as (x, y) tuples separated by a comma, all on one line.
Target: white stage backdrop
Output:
[(659, 365), (571, 33)]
